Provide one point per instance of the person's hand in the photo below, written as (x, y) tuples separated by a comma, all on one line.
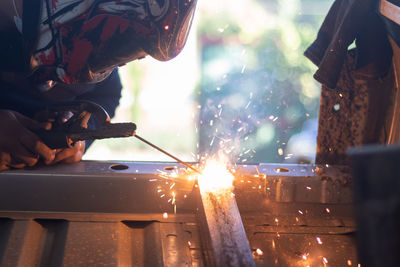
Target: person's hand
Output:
[(19, 146), (70, 155), (65, 155)]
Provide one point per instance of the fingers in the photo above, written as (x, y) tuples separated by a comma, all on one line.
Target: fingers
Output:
[(36, 147), (7, 161), (70, 155), (20, 147), (22, 155), (4, 167)]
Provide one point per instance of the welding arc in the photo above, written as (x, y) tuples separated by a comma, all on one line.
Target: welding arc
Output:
[(166, 153)]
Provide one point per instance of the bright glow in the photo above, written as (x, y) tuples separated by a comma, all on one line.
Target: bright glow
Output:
[(215, 177), (259, 252)]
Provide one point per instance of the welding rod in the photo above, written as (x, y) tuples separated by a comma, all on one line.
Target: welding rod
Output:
[(166, 153)]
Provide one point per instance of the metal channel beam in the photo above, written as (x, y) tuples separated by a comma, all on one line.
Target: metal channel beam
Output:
[(222, 230)]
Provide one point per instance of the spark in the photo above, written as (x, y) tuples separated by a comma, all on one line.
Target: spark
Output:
[(212, 141), (328, 210), (324, 260), (243, 69), (336, 107), (304, 256), (349, 263), (259, 252), (248, 104), (280, 151), (165, 215), (189, 243), (276, 220), (308, 187), (273, 244), (215, 177), (300, 212), (166, 27), (319, 240)]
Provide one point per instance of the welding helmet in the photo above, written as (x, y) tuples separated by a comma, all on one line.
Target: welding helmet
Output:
[(82, 41)]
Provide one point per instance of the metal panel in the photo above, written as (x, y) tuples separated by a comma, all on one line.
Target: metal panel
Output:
[(88, 214)]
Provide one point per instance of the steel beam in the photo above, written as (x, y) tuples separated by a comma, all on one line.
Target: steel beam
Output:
[(222, 230)]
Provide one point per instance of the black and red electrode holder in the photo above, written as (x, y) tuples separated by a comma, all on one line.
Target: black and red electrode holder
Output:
[(64, 135)]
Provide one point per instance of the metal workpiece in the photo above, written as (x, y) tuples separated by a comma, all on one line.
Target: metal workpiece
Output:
[(97, 187), (222, 230), (96, 213), (295, 183)]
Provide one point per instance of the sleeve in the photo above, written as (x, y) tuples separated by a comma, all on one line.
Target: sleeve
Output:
[(348, 21), (107, 94)]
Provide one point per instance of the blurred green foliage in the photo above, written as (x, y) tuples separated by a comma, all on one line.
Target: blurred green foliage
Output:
[(257, 88)]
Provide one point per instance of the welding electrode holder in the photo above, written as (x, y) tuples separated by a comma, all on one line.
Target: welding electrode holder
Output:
[(65, 135)]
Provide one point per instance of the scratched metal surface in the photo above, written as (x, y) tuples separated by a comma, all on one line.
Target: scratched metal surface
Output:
[(89, 214)]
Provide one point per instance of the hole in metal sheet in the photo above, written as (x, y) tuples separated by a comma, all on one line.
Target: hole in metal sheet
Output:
[(169, 168), (119, 167), (281, 170)]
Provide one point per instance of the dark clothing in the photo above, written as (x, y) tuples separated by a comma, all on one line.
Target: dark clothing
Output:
[(106, 93), (360, 110), (346, 22), (18, 93)]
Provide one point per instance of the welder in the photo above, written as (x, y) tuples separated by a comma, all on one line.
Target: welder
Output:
[(52, 51)]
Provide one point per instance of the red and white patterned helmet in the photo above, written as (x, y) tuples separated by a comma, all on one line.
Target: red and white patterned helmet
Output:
[(84, 40)]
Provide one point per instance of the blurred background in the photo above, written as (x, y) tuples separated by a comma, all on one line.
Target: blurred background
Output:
[(241, 85)]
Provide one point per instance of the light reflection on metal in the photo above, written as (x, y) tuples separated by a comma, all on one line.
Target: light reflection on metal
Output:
[(221, 219)]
